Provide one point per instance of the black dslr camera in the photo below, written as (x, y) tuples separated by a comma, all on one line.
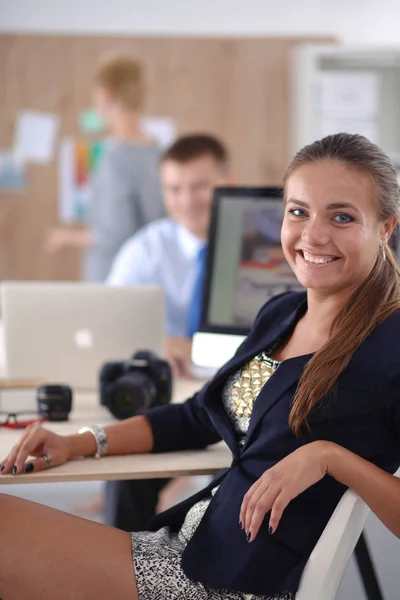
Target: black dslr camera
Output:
[(129, 387)]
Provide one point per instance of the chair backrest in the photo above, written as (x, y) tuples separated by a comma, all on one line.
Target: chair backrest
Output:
[(325, 567)]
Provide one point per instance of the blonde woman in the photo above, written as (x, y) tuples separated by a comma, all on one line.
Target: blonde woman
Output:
[(125, 191)]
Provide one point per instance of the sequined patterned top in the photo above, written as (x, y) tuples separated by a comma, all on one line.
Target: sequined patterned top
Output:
[(238, 396)]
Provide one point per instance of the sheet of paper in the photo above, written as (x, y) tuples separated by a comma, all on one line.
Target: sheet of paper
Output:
[(35, 136), (161, 129), (351, 93), (13, 176), (66, 180), (77, 161)]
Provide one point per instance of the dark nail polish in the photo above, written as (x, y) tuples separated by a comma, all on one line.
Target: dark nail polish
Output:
[(14, 469), (248, 536), (270, 530), (29, 468), (240, 524), (3, 467)]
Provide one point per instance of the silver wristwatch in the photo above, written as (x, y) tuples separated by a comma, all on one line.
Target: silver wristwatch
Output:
[(100, 436)]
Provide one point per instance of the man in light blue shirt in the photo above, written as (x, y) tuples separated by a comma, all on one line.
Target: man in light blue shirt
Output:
[(168, 251)]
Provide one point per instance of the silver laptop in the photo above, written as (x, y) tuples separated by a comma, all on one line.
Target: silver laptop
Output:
[(64, 332)]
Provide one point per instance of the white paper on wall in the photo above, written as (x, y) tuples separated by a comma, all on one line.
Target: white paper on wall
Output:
[(35, 136), (351, 93), (77, 161), (66, 178), (161, 129)]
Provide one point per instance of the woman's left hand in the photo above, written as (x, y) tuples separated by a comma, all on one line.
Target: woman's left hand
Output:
[(280, 484)]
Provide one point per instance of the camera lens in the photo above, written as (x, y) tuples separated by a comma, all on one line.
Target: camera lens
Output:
[(130, 394), (54, 401)]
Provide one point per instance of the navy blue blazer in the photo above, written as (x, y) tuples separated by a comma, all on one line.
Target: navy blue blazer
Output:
[(363, 416)]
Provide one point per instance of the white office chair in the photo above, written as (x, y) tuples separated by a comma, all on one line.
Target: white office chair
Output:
[(325, 567)]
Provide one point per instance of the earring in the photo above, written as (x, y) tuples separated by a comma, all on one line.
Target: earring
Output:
[(384, 242)]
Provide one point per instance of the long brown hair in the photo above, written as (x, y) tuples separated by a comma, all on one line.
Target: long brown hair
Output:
[(377, 297)]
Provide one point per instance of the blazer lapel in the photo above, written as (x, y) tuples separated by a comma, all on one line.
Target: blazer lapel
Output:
[(213, 395), (285, 377), (254, 343)]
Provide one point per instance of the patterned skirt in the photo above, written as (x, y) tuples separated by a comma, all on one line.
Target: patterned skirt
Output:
[(157, 562)]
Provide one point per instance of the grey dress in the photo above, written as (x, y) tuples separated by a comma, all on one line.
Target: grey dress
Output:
[(157, 555), (125, 195)]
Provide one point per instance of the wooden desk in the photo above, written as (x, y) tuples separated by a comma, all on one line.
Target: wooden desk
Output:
[(87, 411)]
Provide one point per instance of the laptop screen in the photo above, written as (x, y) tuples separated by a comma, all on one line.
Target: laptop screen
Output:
[(245, 261)]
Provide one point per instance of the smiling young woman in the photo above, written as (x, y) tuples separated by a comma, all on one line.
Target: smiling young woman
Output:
[(314, 390), (332, 229), (341, 207)]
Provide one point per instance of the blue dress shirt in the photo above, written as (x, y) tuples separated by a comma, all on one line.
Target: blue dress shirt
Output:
[(167, 254)]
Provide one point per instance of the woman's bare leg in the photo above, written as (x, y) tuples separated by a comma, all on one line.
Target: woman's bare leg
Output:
[(46, 554)]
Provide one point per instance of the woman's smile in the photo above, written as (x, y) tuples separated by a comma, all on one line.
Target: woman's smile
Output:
[(318, 260)]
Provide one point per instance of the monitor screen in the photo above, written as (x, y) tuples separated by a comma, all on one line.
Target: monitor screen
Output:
[(245, 264)]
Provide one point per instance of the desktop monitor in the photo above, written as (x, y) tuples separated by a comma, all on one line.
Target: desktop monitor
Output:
[(245, 267)]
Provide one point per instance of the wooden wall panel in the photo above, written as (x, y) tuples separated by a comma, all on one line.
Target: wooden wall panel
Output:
[(235, 88)]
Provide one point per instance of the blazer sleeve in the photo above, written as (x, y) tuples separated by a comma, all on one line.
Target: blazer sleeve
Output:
[(183, 426), (188, 426)]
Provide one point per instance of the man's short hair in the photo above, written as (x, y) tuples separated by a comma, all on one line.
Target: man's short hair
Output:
[(190, 147)]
